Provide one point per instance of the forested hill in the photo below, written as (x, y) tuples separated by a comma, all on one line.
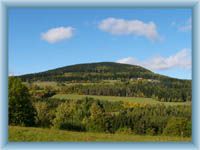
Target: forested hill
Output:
[(114, 79), (92, 72)]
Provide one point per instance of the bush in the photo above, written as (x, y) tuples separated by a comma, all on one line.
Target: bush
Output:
[(65, 118), (151, 131), (21, 110), (43, 117), (124, 130), (95, 121), (177, 126), (43, 93)]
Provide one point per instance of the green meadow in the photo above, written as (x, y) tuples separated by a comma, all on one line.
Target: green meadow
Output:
[(117, 98), (30, 134)]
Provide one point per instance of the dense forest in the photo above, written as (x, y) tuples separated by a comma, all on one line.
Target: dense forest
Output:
[(126, 80), (96, 115), (94, 72), (31, 104)]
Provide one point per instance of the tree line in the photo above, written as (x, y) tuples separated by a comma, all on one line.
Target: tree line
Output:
[(174, 92)]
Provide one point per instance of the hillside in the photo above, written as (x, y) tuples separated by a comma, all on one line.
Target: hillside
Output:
[(113, 79), (96, 72)]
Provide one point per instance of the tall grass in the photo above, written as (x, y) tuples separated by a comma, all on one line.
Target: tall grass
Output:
[(29, 134)]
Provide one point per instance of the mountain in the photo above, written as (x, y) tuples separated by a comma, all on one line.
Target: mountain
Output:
[(96, 72), (115, 79)]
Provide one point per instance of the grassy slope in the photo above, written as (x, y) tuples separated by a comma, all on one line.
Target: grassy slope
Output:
[(39, 134), (116, 98)]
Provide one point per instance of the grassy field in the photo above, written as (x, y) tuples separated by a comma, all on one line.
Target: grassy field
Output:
[(29, 134), (117, 98)]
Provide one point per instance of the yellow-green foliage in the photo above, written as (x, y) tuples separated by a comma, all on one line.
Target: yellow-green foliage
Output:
[(178, 126), (43, 114), (124, 130)]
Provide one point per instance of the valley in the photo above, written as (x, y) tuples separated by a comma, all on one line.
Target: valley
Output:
[(99, 102)]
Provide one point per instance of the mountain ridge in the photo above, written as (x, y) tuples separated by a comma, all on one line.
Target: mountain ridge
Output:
[(119, 70)]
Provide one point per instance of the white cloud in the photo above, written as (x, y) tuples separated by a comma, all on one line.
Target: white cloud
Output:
[(10, 74), (186, 26), (181, 59), (129, 60), (129, 27), (57, 34), (173, 23)]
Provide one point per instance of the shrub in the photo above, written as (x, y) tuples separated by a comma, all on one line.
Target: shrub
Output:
[(124, 130), (151, 131), (43, 117), (177, 126), (95, 121), (65, 118), (21, 110)]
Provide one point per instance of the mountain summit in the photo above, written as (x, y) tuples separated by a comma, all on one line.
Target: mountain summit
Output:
[(95, 72)]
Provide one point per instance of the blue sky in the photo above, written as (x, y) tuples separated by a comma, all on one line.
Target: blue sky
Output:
[(43, 39)]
